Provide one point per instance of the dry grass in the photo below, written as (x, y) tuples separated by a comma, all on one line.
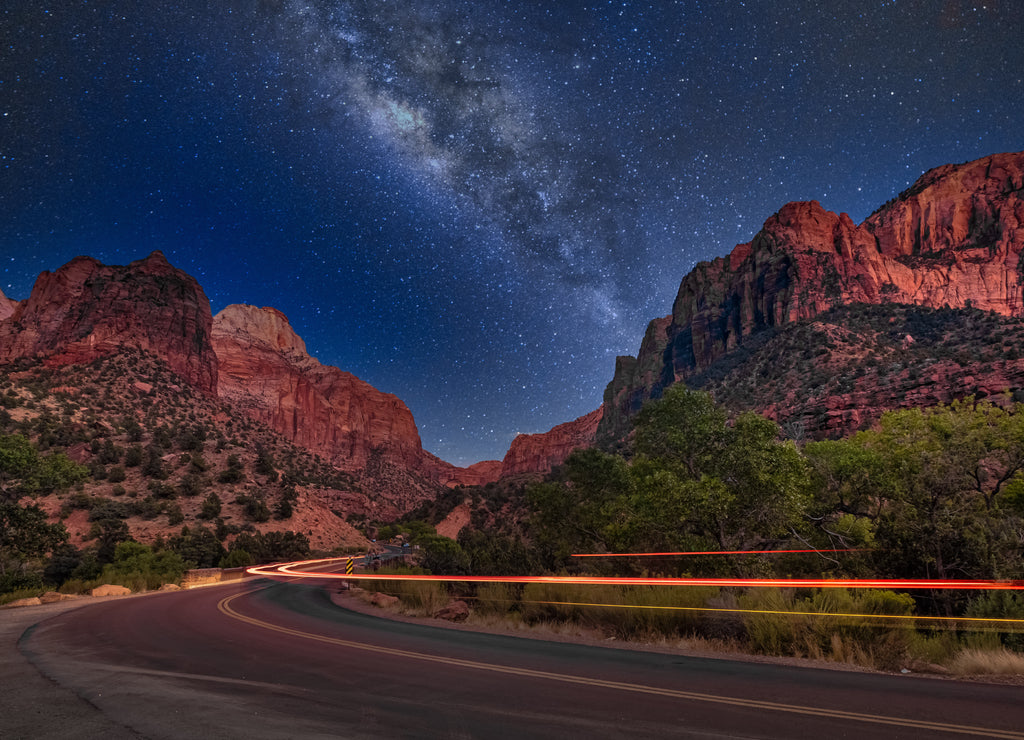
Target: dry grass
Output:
[(978, 662)]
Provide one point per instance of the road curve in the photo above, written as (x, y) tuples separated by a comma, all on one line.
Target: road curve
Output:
[(271, 660)]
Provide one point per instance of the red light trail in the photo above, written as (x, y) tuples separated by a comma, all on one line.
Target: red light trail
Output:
[(704, 552)]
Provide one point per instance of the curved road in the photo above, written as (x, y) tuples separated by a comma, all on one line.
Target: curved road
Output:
[(269, 660)]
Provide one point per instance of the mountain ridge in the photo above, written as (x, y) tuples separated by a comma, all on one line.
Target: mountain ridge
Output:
[(954, 238)]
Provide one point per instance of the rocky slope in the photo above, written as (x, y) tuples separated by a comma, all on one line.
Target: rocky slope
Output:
[(953, 239), (841, 370), (266, 373), (86, 310)]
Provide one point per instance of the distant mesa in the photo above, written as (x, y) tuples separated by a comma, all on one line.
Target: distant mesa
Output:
[(86, 310)]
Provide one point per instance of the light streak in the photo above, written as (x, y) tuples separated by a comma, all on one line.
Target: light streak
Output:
[(704, 552), (291, 570), (845, 615)]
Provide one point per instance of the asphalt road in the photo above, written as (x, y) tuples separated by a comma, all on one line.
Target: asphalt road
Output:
[(273, 660)]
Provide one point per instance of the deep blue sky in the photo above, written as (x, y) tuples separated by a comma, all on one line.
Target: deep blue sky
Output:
[(474, 205)]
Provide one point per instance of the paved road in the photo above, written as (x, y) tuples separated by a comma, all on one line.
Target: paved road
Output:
[(271, 660)]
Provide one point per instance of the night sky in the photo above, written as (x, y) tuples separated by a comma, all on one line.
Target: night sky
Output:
[(474, 205)]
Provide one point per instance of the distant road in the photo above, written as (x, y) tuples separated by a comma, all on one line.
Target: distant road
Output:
[(274, 660)]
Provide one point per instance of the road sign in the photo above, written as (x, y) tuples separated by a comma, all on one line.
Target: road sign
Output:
[(350, 566)]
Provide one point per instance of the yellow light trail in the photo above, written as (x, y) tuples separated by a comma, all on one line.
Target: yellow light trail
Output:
[(292, 570), (910, 617)]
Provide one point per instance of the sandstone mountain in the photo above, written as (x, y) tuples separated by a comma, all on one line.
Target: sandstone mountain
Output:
[(954, 239), (250, 358), (86, 310), (266, 373), (540, 453)]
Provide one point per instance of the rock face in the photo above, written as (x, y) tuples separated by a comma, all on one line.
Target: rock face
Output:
[(87, 310), (7, 306), (539, 453), (953, 239), (266, 373)]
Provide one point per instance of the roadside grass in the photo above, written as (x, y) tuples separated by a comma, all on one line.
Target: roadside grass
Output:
[(873, 629), (417, 598), (986, 662)]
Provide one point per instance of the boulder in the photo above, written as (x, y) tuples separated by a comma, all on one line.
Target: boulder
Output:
[(454, 611), (384, 600), (52, 596), (108, 589)]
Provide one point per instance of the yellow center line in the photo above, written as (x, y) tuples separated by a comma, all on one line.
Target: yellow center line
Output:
[(225, 607)]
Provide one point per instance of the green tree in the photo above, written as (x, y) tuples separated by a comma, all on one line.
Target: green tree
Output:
[(950, 511), (444, 555), (573, 512), (135, 561), (26, 535), (197, 546), (24, 471), (270, 547), (739, 485)]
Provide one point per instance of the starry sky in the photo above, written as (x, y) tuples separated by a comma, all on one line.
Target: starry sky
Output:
[(474, 205)]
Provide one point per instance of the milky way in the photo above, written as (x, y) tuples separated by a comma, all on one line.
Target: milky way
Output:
[(475, 206)]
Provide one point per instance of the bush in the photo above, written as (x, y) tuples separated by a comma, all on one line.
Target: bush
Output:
[(211, 506), (133, 457), (254, 507), (136, 565), (191, 485), (237, 558), (272, 547)]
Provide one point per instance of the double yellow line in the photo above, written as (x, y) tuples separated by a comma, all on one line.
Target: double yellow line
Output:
[(225, 607)]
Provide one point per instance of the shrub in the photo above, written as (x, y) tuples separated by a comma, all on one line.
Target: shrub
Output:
[(136, 565), (237, 558), (133, 457), (211, 506), (254, 507)]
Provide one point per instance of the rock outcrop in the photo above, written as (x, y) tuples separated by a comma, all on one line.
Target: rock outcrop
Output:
[(7, 306), (266, 373), (540, 453), (953, 239), (87, 310)]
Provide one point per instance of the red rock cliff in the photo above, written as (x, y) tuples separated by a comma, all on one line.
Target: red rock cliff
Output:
[(7, 306), (954, 238), (266, 373), (539, 453), (86, 310)]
